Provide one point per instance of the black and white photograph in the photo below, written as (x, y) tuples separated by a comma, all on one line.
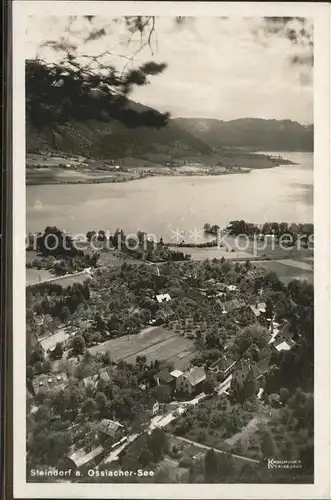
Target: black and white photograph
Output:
[(169, 249)]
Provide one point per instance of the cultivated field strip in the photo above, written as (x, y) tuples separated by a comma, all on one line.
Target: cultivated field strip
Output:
[(154, 343)]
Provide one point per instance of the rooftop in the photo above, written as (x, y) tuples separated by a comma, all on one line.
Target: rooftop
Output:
[(176, 373), (222, 364), (109, 427), (80, 457), (284, 346), (49, 343), (164, 375), (195, 375), (258, 308), (163, 297), (33, 410), (274, 335), (94, 379)]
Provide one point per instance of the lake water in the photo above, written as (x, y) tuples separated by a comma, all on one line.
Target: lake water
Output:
[(161, 205)]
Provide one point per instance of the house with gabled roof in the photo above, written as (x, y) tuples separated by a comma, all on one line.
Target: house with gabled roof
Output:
[(232, 305), (284, 341), (176, 373), (222, 367), (110, 429), (191, 380), (258, 309), (163, 377), (48, 343), (81, 459), (93, 381)]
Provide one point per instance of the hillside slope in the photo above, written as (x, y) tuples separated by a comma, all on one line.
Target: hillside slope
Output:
[(111, 139), (184, 138), (252, 133)]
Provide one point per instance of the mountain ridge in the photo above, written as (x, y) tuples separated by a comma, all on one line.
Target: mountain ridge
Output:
[(180, 138), (253, 133)]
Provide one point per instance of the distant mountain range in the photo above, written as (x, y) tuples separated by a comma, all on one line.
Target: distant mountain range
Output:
[(181, 138), (251, 133)]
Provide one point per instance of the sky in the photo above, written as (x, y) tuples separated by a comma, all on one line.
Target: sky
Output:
[(224, 68)]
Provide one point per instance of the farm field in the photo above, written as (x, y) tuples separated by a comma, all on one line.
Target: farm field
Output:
[(71, 279), (288, 270), (241, 248), (154, 343), (306, 266), (52, 175), (114, 258), (34, 276), (203, 253)]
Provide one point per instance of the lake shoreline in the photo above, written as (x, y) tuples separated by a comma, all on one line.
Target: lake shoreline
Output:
[(56, 175), (112, 180), (163, 205)]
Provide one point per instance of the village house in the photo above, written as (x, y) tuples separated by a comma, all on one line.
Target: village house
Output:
[(80, 459), (274, 330), (175, 374), (231, 305), (222, 368), (283, 340), (191, 380), (93, 381), (110, 429), (153, 408), (49, 382), (164, 377), (62, 336), (258, 309), (48, 343), (163, 297), (285, 345)]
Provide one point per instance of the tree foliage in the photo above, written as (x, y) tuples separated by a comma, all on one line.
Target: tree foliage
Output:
[(83, 86)]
